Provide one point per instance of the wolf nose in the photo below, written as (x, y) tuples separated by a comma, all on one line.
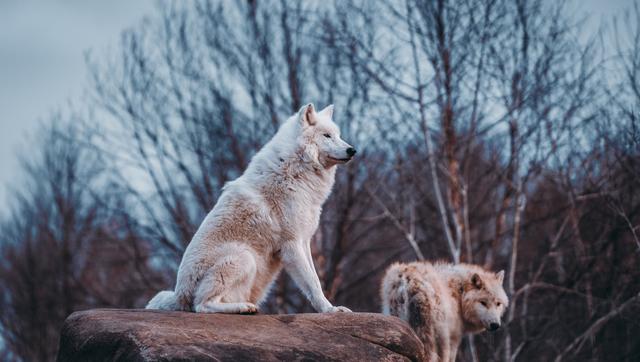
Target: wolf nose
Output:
[(493, 327), (351, 151)]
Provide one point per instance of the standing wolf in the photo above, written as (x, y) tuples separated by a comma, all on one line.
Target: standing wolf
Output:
[(443, 301), (262, 222)]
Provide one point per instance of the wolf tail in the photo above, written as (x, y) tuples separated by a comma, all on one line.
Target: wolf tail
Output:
[(394, 292), (166, 300)]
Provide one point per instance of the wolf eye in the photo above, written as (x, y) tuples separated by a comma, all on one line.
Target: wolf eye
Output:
[(484, 304), (498, 304), (327, 135)]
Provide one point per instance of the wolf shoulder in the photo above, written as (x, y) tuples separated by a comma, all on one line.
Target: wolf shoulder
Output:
[(241, 213)]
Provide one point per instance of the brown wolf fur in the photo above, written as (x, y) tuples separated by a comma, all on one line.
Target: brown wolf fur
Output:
[(443, 301)]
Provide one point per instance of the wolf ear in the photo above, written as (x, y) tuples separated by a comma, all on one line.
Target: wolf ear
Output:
[(327, 111), (476, 281), (500, 276), (307, 115)]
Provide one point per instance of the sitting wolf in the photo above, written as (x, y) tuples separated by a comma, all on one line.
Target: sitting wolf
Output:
[(262, 222), (443, 301)]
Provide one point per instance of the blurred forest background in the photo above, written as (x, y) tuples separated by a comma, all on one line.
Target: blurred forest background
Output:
[(489, 131)]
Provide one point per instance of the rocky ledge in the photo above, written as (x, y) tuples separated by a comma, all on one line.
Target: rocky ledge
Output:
[(145, 335)]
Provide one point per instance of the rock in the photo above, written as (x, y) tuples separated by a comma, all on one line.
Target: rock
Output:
[(147, 335)]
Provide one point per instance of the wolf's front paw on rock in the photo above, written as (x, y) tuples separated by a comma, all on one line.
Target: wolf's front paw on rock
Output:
[(338, 309), (248, 308)]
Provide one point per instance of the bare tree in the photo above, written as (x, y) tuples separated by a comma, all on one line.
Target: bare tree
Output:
[(62, 250), (487, 133)]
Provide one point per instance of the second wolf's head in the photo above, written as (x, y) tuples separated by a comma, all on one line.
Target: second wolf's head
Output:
[(320, 139), (484, 301)]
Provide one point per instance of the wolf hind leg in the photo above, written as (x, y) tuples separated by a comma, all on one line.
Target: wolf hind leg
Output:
[(421, 311), (226, 286), (227, 308)]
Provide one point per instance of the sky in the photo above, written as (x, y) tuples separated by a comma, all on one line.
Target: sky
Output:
[(42, 46)]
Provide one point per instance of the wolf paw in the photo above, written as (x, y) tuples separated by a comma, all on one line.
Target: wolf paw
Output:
[(338, 309), (248, 308)]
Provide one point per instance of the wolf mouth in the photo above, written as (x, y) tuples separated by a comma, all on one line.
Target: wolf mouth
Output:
[(342, 160)]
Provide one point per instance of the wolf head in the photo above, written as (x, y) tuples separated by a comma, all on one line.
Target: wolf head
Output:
[(483, 301), (320, 137)]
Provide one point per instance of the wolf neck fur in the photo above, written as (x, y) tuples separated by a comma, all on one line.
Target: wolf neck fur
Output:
[(290, 169), (304, 176)]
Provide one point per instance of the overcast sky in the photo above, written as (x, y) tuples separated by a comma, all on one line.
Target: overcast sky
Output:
[(42, 46), (42, 66)]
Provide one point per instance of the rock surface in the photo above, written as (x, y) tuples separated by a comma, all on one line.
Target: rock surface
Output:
[(145, 335)]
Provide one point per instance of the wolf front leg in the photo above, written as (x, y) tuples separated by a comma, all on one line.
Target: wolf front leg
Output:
[(298, 263)]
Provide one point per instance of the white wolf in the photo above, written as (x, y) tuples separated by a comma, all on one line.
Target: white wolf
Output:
[(262, 222), (443, 301)]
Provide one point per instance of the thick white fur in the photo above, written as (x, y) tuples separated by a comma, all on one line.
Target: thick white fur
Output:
[(262, 222)]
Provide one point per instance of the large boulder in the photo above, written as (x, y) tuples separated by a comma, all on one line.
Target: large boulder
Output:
[(146, 335)]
